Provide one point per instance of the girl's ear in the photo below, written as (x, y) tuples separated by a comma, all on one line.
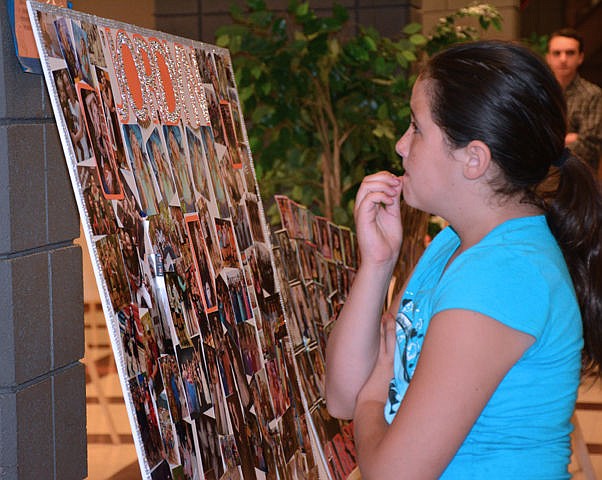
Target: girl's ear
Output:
[(477, 159)]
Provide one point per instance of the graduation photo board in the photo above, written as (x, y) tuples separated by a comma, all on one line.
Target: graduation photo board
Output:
[(316, 261), (163, 177)]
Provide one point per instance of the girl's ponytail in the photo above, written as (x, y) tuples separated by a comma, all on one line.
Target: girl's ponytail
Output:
[(574, 214)]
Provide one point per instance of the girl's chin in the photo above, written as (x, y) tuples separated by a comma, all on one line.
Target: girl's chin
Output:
[(410, 204), (410, 200)]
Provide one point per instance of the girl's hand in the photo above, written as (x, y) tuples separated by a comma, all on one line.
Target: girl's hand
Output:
[(378, 219), (376, 387)]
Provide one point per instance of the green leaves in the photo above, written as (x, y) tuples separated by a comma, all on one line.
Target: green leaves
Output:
[(256, 5), (302, 9), (318, 100), (537, 43), (369, 43), (412, 28), (418, 39), (447, 32)]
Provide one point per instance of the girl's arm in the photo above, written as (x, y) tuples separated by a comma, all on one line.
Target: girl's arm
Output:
[(464, 357), (353, 343)]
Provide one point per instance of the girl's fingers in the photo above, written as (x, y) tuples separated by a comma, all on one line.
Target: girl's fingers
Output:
[(377, 195), (380, 182), (376, 198)]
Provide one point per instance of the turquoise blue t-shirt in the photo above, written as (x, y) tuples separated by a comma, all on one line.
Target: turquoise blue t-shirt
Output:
[(517, 276)]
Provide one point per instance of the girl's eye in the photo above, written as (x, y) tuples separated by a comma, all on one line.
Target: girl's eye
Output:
[(414, 126)]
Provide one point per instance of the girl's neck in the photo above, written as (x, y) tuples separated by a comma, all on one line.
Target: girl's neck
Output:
[(473, 227)]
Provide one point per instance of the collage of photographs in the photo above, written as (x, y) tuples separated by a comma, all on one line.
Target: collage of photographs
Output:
[(177, 236), (317, 260)]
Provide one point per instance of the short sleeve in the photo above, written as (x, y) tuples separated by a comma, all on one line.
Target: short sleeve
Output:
[(497, 283)]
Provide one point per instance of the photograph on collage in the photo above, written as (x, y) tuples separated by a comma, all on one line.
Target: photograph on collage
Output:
[(208, 351), (98, 138), (316, 259)]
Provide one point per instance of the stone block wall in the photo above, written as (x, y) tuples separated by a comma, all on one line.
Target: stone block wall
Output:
[(42, 382), (199, 19)]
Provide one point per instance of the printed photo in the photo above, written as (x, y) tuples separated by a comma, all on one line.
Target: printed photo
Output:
[(161, 169), (192, 381), (247, 169), (197, 162), (211, 458), (100, 212), (174, 388), (242, 229), (217, 131), (94, 44), (167, 429), (224, 72), (205, 276), (236, 116), (188, 458), (177, 309), (167, 234), (227, 243), (98, 138), (232, 179), (337, 248), (80, 39), (147, 420), (110, 111), (142, 170), (348, 252), (255, 219), (230, 133), (72, 112), (49, 34), (209, 234), (249, 345), (324, 242), (63, 32), (111, 262), (212, 154), (179, 161)]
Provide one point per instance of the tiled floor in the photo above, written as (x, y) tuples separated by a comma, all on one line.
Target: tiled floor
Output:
[(111, 451)]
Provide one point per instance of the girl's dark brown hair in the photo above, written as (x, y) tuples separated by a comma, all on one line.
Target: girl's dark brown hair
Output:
[(504, 95)]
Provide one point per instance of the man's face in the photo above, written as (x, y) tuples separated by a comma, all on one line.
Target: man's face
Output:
[(564, 58)]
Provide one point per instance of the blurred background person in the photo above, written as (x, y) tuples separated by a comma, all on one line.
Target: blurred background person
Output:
[(584, 99)]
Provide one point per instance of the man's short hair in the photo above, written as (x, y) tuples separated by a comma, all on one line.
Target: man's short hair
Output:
[(569, 33)]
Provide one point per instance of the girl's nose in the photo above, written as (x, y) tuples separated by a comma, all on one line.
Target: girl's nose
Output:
[(403, 144)]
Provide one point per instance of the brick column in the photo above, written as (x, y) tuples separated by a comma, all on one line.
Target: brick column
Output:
[(42, 382)]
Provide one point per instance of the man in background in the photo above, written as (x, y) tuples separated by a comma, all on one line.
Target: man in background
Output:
[(584, 99)]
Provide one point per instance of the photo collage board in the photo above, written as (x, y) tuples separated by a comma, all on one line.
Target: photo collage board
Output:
[(316, 260), (159, 160)]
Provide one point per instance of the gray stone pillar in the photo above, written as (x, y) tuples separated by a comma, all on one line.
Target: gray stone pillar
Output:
[(42, 382), (199, 19)]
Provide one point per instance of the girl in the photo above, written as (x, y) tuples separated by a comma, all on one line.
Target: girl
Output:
[(473, 372)]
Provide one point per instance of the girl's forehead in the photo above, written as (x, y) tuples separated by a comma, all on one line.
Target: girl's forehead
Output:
[(419, 101)]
